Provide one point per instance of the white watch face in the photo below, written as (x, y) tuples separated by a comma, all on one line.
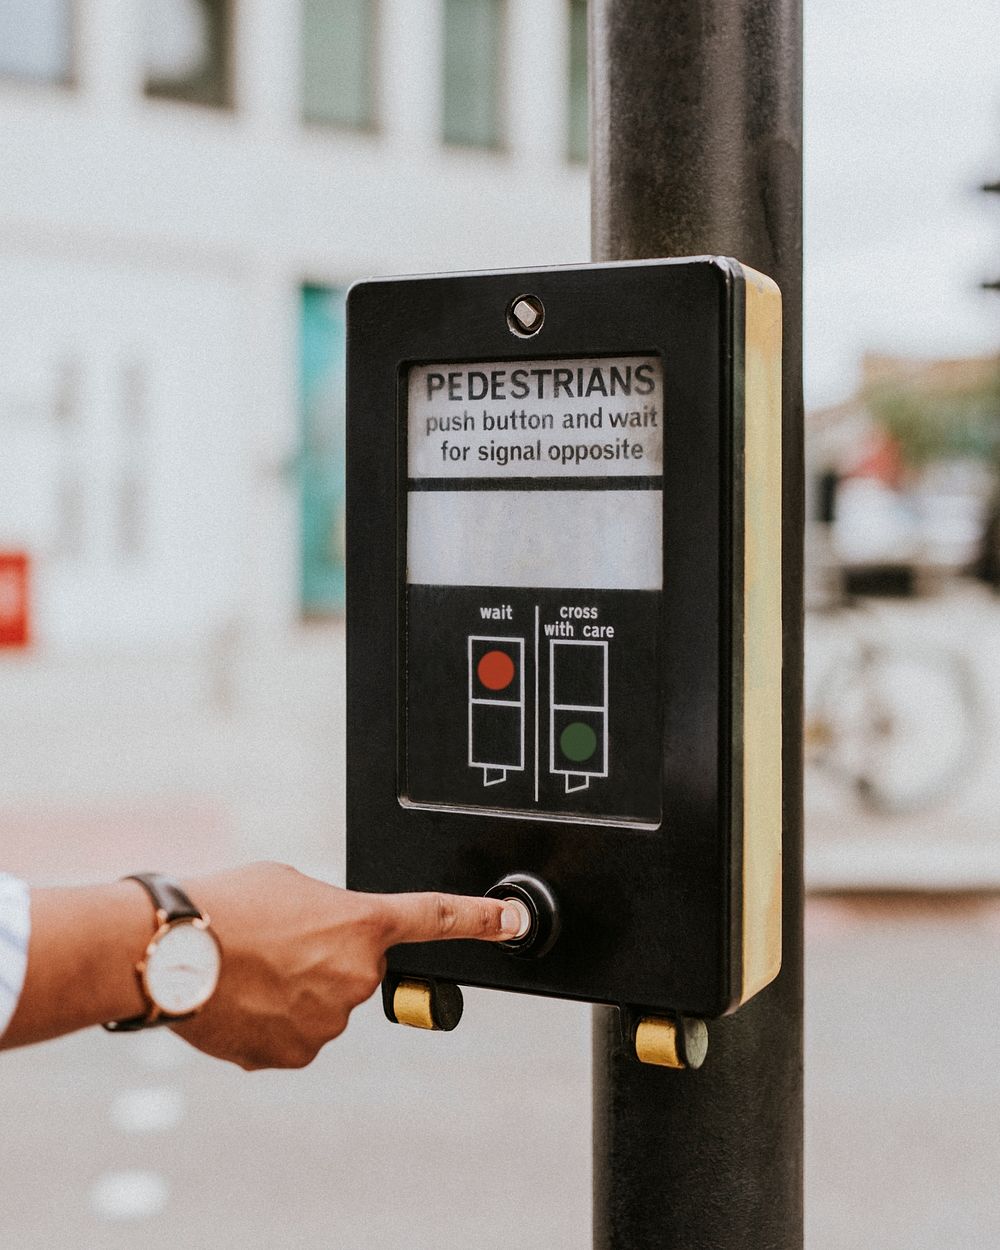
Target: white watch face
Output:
[(182, 969)]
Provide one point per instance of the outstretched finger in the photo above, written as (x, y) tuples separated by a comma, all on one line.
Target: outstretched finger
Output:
[(434, 917)]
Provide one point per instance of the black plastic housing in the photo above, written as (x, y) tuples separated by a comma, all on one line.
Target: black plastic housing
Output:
[(650, 916)]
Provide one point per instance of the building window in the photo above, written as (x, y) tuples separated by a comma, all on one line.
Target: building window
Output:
[(322, 451), (578, 88), (188, 48), (133, 466), (338, 56), (473, 45), (36, 40)]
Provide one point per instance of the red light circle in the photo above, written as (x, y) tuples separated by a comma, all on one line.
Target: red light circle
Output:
[(495, 670)]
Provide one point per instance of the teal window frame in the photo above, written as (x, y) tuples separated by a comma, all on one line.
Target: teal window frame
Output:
[(321, 460)]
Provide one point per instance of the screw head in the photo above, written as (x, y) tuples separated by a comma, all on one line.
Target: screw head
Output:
[(525, 315)]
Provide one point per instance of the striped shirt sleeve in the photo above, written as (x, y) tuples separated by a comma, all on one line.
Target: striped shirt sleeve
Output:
[(15, 927)]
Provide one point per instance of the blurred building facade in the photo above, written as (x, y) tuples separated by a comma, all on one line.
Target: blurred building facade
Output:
[(189, 188)]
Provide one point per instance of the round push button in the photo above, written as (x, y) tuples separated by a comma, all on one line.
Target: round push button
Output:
[(539, 903), (527, 919)]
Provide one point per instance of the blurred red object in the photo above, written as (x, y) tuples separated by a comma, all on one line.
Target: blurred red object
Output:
[(14, 616), (881, 459)]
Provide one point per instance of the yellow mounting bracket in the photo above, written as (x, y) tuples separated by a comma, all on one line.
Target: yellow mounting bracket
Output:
[(423, 1004), (679, 1043)]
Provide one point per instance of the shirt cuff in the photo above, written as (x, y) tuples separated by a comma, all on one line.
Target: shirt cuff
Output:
[(15, 929)]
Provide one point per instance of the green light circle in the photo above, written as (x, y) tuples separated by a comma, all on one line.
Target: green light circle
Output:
[(578, 742)]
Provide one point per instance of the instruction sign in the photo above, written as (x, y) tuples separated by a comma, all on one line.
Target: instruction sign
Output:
[(534, 579), (544, 418)]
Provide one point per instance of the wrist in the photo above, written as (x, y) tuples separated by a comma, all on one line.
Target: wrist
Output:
[(128, 903), (85, 941), (104, 930)]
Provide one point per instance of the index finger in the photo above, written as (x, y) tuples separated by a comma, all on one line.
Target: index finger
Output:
[(432, 917)]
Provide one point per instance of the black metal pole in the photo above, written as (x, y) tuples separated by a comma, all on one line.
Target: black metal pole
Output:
[(696, 147)]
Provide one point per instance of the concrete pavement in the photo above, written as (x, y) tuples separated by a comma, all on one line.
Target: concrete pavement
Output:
[(399, 1139)]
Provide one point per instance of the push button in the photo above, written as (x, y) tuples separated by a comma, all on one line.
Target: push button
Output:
[(526, 915), (535, 899)]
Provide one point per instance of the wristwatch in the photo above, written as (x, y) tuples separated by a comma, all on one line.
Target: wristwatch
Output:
[(179, 969)]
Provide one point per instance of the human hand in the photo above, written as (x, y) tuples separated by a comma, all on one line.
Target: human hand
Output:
[(299, 955)]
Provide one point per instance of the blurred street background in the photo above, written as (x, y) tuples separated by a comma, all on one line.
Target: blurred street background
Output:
[(189, 188)]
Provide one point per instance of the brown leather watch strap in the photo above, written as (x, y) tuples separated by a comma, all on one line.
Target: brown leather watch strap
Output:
[(166, 894)]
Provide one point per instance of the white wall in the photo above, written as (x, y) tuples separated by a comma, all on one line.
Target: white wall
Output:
[(131, 487), (158, 237)]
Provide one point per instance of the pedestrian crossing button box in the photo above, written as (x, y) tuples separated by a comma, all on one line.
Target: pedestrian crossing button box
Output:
[(564, 624)]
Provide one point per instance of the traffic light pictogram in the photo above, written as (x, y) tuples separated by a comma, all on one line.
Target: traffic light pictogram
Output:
[(496, 706), (578, 711)]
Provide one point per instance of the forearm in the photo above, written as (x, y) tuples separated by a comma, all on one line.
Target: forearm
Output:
[(85, 943), (297, 956)]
